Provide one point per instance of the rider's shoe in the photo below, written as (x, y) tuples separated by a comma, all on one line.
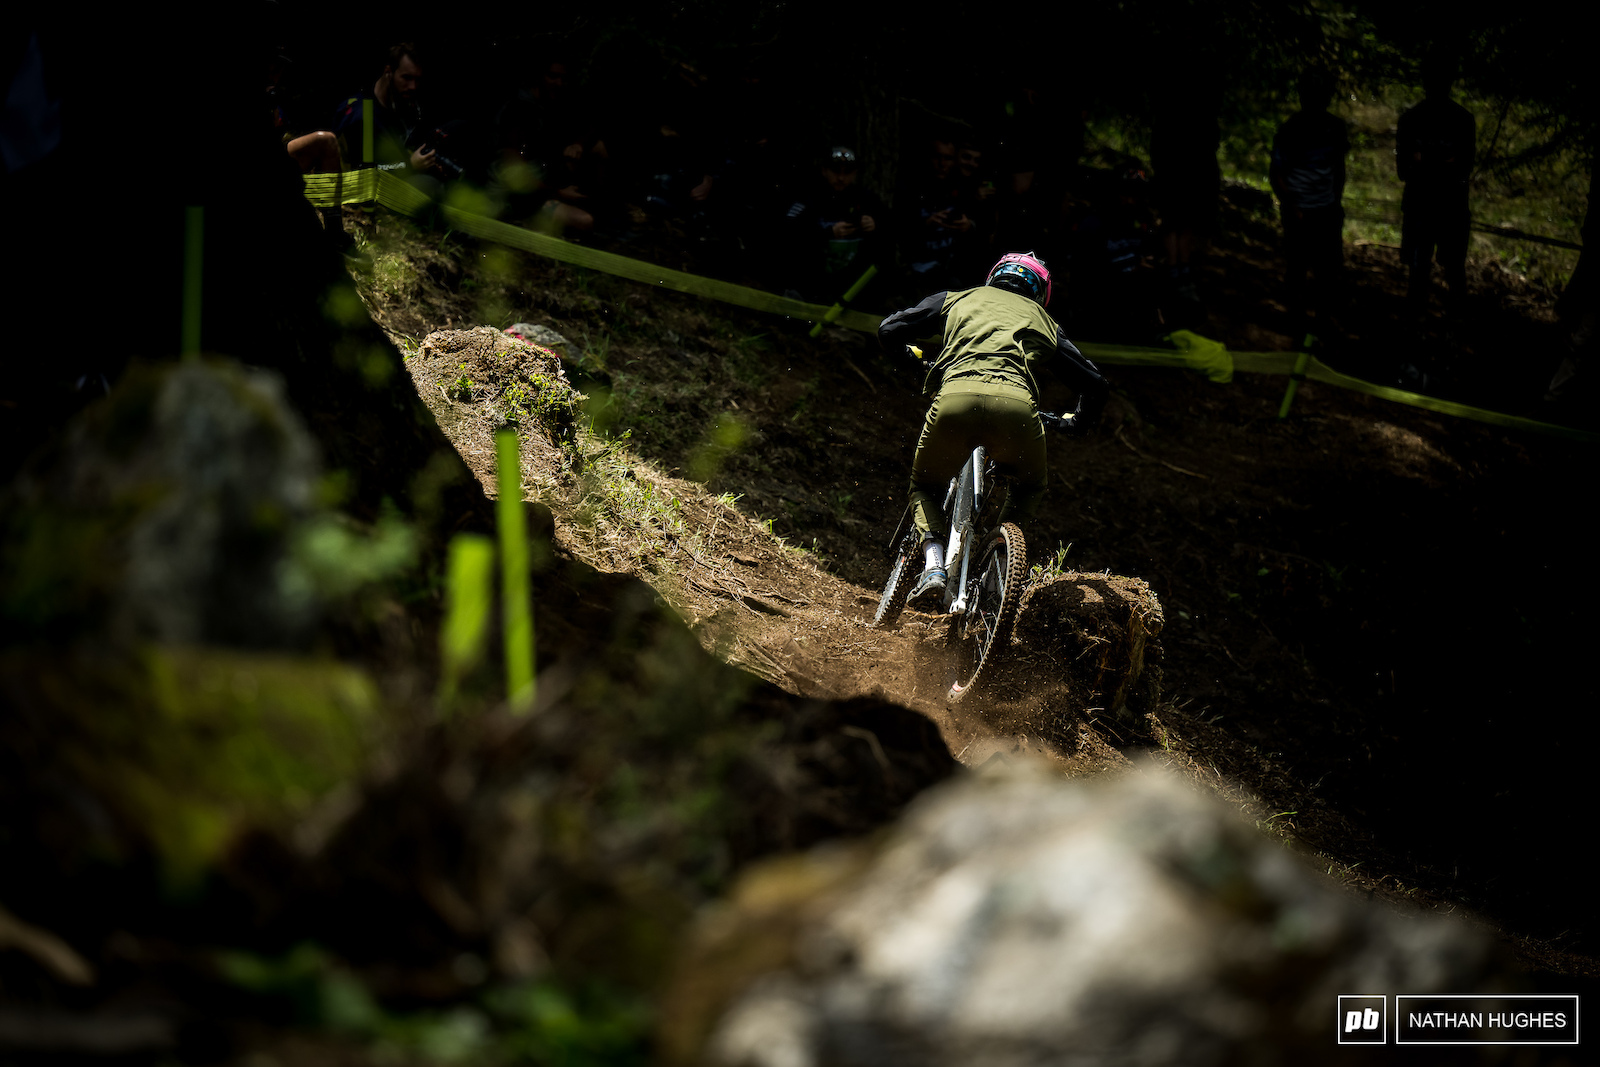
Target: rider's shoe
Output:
[(932, 581)]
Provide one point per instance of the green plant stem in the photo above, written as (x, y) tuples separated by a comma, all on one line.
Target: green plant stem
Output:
[(469, 593), (515, 586)]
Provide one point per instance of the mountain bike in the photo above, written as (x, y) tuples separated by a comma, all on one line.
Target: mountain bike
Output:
[(987, 562)]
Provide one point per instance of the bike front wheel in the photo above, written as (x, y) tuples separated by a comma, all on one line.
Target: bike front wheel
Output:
[(901, 576), (986, 628)]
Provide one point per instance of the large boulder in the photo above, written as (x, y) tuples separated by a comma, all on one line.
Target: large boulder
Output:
[(1014, 917)]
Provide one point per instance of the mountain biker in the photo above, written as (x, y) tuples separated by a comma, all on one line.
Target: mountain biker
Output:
[(993, 337)]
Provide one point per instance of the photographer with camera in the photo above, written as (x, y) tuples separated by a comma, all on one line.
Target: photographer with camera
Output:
[(403, 142)]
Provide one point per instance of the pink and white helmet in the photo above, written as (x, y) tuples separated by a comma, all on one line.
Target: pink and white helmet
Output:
[(1021, 273)]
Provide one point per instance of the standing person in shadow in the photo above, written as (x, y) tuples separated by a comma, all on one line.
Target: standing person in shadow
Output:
[(1185, 133), (1307, 174), (1434, 153)]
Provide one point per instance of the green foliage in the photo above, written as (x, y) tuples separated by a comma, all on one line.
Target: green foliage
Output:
[(540, 1023), (539, 401), (1052, 568), (546, 1024), (462, 388), (319, 992), (342, 305), (1530, 86), (615, 498), (332, 557), (206, 741), (750, 359), (726, 437), (394, 275), (468, 198), (469, 595)]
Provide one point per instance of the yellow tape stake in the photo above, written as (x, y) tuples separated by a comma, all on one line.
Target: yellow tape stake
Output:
[(516, 593), (833, 313), (1296, 376), (366, 132)]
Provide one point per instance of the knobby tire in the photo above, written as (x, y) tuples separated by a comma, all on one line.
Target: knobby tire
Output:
[(902, 576), (986, 628)]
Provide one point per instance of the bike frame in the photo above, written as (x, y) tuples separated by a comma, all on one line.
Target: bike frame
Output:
[(963, 503)]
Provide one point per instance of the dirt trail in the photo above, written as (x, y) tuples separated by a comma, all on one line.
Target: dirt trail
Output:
[(763, 605), (1292, 559)]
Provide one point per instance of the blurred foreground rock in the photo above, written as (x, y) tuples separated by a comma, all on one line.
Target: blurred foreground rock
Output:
[(168, 514), (185, 770), (1017, 918)]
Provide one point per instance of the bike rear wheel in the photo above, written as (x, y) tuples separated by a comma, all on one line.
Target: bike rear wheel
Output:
[(902, 575), (985, 630)]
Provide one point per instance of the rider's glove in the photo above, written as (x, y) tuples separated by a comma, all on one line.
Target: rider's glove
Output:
[(1070, 425)]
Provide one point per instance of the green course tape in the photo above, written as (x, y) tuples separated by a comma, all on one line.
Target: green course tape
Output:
[(1203, 355), (1317, 371), (368, 185), (640, 271), (360, 187), (1321, 372)]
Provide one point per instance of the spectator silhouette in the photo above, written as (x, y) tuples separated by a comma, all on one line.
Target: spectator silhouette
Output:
[(752, 171), (1041, 132), (552, 161), (400, 135), (1184, 135), (313, 151), (1307, 174), (930, 219), (975, 212), (678, 163), (1434, 153), (1113, 249), (833, 229)]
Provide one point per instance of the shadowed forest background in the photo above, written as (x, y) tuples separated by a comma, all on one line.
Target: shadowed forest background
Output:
[(251, 817)]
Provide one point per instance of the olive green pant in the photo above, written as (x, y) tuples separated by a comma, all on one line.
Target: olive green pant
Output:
[(1005, 421)]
